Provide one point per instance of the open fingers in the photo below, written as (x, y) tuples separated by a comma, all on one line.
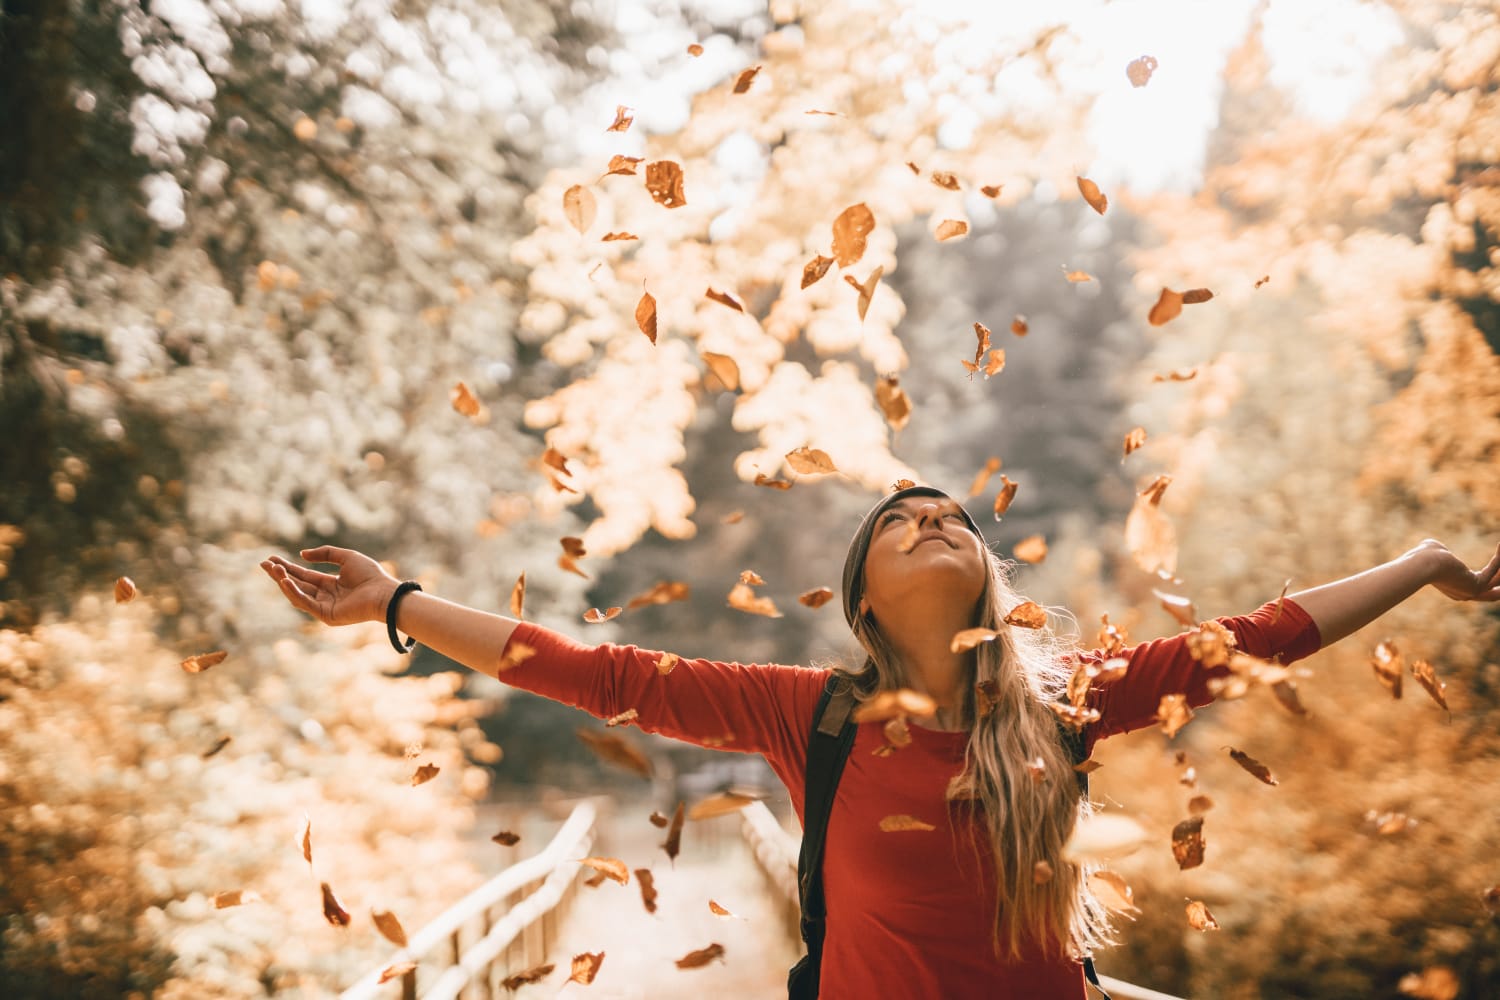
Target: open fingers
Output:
[(313, 577), (294, 594), (326, 554)]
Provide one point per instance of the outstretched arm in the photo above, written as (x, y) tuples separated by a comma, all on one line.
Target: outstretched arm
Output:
[(1345, 606)]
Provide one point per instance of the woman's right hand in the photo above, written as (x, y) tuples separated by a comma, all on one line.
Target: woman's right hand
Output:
[(358, 592)]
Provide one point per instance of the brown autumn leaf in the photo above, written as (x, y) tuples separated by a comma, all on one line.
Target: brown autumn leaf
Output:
[(554, 459), (1199, 804), (724, 368), (991, 190), (596, 617), (702, 956), (1027, 614), (1149, 535), (1177, 375), (1091, 194), (1114, 892), (1187, 843), (1388, 824), (623, 119), (573, 546), (1193, 296), (466, 403), (1199, 918), (622, 165), (1087, 766), (1031, 549), (665, 592), (532, 975), (850, 231), (664, 181), (890, 704), (1134, 439), (673, 843), (586, 967), (761, 479), (695, 50), (719, 804), (724, 299), (237, 897), (916, 170), (611, 867), (1262, 280), (518, 596), (1387, 662), (647, 883), (982, 340), (1139, 70), (333, 911), (1180, 608), (751, 578), (866, 290), (307, 839), (968, 638), (516, 653), (742, 598), (1285, 693), (1167, 308), (1252, 765), (745, 79), (897, 734), (810, 462), (951, 229), (218, 744), (1075, 717), (901, 484), (1019, 326), (580, 207), (1427, 677), (1211, 644), (815, 269), (1435, 982), (895, 404), (423, 774), (986, 697), (1005, 496), (901, 823), (667, 663), (614, 748), (658, 820), (629, 715), (982, 477), (395, 971), (124, 590), (200, 662), (618, 237), (718, 910), (506, 838), (389, 927), (996, 364), (815, 598), (1173, 713), (945, 180), (645, 316)]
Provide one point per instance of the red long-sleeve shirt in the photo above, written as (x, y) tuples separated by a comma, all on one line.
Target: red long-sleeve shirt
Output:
[(909, 913)]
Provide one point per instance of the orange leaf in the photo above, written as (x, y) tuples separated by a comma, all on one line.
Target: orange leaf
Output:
[(614, 748), (1168, 307), (761, 479), (866, 290), (982, 477), (986, 697), (596, 617), (673, 843), (333, 911), (1187, 843), (516, 653), (702, 956), (724, 298), (1075, 717), (518, 596), (307, 839), (667, 663), (895, 404), (1027, 614), (124, 590), (1135, 439), (389, 927), (1427, 677), (745, 79), (982, 336), (1149, 536), (850, 231), (424, 774), (1077, 276), (623, 118), (951, 229), (815, 598), (506, 838), (1005, 496), (618, 237), (695, 50), (238, 897), (622, 165), (1113, 891), (648, 888), (1091, 194), (1199, 917), (466, 403), (586, 967), (395, 971), (1032, 549), (890, 704), (579, 206), (1193, 296), (945, 180), (810, 461), (532, 975), (1139, 70), (202, 661), (611, 867), (901, 823), (1252, 765), (1041, 873), (665, 592), (996, 364), (1387, 661), (645, 316), (664, 181), (1018, 326), (724, 368), (742, 598), (815, 269), (968, 638), (721, 804), (1173, 713), (718, 910), (991, 190)]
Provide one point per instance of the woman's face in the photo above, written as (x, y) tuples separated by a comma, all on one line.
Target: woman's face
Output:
[(922, 554)]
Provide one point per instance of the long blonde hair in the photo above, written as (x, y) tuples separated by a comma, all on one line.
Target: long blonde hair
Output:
[(1028, 820)]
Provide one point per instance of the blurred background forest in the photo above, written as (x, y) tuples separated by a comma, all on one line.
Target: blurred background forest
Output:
[(250, 248)]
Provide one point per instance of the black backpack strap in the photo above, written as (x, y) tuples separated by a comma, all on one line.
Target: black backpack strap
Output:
[(827, 749), (1078, 752)]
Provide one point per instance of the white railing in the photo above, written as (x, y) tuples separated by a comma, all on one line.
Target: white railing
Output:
[(534, 895)]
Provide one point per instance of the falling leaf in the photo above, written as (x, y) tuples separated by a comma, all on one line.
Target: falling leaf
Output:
[(725, 299), (752, 578), (721, 804), (573, 546), (951, 229), (810, 462), (667, 663), (1075, 717), (1087, 766), (307, 839), (596, 617), (945, 180), (1091, 194), (1387, 661), (622, 165), (996, 363), (1436, 982), (614, 748), (1032, 549), (586, 967), (901, 823), (1041, 873), (1211, 644), (238, 897), (914, 168), (702, 956), (1149, 536), (648, 888), (1427, 677), (202, 661), (1180, 608), (968, 638), (866, 290), (673, 843), (1187, 843), (1199, 918), (742, 598), (579, 207), (645, 316), (815, 598), (897, 733), (1281, 601), (1114, 892), (395, 971), (982, 477), (1104, 835), (982, 339), (1027, 614), (623, 118), (1178, 375), (695, 50), (1285, 693), (516, 653), (1262, 280), (518, 596), (611, 867), (1077, 277), (991, 190), (1199, 804), (986, 697), (1252, 765), (465, 402), (745, 79), (389, 927), (1388, 824), (1168, 307), (532, 975), (761, 479), (1134, 439), (1139, 70), (506, 838), (850, 231), (424, 774), (333, 912), (664, 181), (815, 269), (658, 820), (890, 704), (595, 880), (665, 592), (718, 910), (1193, 296), (1005, 496), (1173, 713), (724, 368), (618, 237), (124, 590), (626, 716), (895, 404), (218, 744)]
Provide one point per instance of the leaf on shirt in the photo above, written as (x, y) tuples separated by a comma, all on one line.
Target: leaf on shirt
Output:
[(1252, 765), (516, 653), (648, 888), (586, 967), (815, 598), (673, 843), (532, 975), (1281, 601), (629, 715), (1388, 662), (1173, 713), (901, 822), (596, 617), (1427, 677), (1211, 644), (1114, 892), (1027, 614), (667, 663), (611, 867), (1187, 843), (662, 593), (850, 232), (425, 773), (1199, 918), (1246, 671), (1104, 835), (1031, 549), (1112, 638), (1149, 535), (614, 748), (720, 804), (889, 704), (702, 956), (1005, 496), (968, 638)]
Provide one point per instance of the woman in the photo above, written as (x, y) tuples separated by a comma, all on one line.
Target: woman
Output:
[(963, 909)]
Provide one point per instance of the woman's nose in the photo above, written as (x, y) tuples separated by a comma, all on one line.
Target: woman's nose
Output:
[(929, 513)]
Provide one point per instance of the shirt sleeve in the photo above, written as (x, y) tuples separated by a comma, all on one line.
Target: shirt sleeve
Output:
[(1165, 666), (747, 708)]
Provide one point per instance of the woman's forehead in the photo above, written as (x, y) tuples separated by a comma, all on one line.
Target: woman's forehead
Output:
[(908, 504)]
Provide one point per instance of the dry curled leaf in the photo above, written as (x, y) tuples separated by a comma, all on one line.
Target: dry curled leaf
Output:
[(897, 733), (1005, 496), (986, 697), (982, 477), (1187, 843), (695, 50), (612, 868), (466, 403), (1176, 375), (1173, 713), (1199, 918), (1262, 280), (618, 237), (580, 207), (1168, 307), (596, 617), (667, 663), (518, 596), (724, 299), (1252, 765), (810, 462), (991, 190), (967, 639), (124, 590), (424, 774), (1027, 614), (629, 715), (202, 661), (815, 598), (1427, 677), (900, 823), (724, 368), (623, 119), (1114, 892), (645, 316), (718, 910), (866, 289), (702, 956), (1087, 766), (742, 598), (895, 404), (815, 269), (1193, 296), (891, 704), (1075, 717), (982, 340), (1077, 277), (673, 843), (218, 744), (901, 484), (951, 229), (1149, 535), (238, 897), (719, 804), (664, 182), (333, 911), (532, 975), (614, 748), (665, 592), (1134, 439), (1387, 663), (506, 838), (1139, 70), (622, 165), (850, 231), (945, 180), (745, 79), (395, 971), (389, 927), (586, 967), (1031, 549), (1091, 194), (761, 479), (647, 882)]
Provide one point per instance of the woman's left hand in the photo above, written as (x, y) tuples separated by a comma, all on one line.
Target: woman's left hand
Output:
[(1452, 577)]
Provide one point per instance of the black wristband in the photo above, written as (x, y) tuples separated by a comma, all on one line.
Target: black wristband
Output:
[(390, 616)]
